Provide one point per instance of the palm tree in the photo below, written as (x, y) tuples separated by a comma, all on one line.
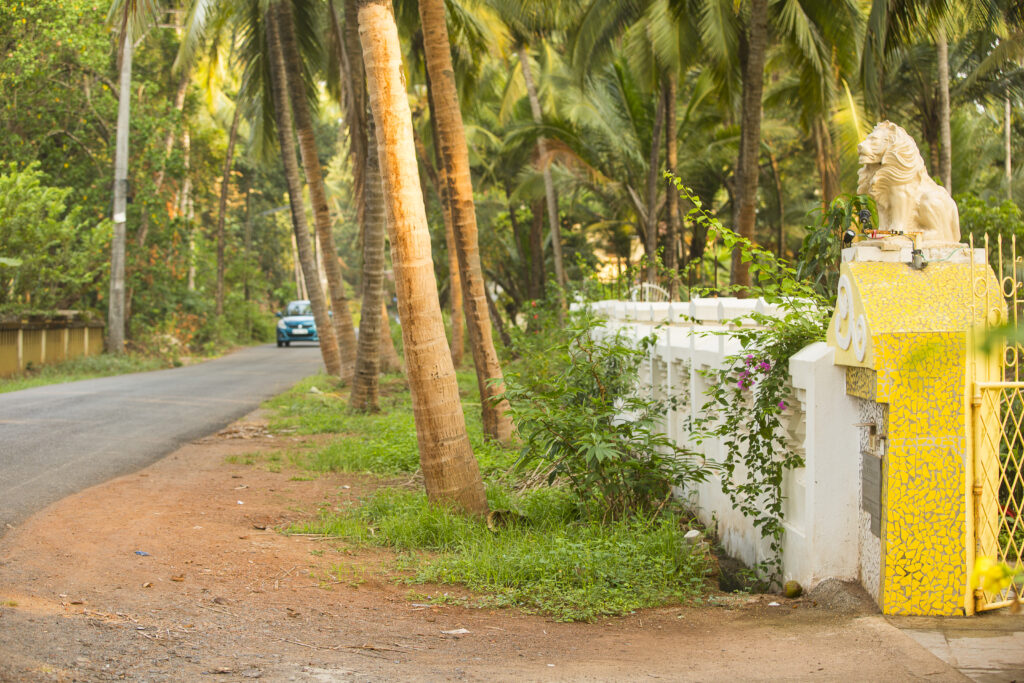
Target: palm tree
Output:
[(298, 88), (365, 383), (459, 190), (350, 85), (893, 24), (549, 186), (222, 206), (450, 470), (748, 167), (532, 22), (283, 115)]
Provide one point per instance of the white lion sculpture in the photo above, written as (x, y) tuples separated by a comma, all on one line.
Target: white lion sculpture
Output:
[(892, 172)]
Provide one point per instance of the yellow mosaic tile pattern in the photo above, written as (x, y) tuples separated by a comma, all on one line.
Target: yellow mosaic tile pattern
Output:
[(860, 382), (910, 327), (924, 561)]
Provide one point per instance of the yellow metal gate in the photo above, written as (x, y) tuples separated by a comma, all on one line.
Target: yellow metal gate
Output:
[(995, 393)]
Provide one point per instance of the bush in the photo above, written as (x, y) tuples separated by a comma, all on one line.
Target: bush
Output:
[(591, 428), (57, 253), (995, 219)]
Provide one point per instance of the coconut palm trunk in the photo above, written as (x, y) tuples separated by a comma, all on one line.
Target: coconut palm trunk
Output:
[(354, 82), (436, 176), (945, 137), (225, 185), (825, 160), (1007, 139), (750, 136), (549, 185), (455, 156), (672, 196), (343, 327), (365, 382), (450, 471), (451, 248), (303, 241), (651, 207), (389, 358)]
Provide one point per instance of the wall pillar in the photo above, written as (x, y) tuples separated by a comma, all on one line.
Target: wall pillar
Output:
[(902, 334)]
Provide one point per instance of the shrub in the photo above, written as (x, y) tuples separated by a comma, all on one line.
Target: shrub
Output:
[(52, 254), (591, 428)]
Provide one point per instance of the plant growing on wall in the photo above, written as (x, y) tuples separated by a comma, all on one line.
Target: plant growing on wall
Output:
[(588, 427), (749, 396)]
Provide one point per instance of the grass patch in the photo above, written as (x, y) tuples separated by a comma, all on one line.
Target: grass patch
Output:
[(271, 461), (86, 367), (548, 561), (547, 557), (383, 443)]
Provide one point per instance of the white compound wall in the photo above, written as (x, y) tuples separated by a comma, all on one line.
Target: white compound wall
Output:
[(822, 509)]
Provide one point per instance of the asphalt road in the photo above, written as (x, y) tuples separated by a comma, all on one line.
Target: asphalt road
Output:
[(59, 439)]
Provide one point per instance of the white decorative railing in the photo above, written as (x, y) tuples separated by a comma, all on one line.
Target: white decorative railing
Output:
[(823, 497)]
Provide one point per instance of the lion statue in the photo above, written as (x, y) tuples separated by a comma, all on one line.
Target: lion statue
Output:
[(892, 172)]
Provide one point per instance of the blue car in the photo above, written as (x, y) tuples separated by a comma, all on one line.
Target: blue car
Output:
[(296, 324)]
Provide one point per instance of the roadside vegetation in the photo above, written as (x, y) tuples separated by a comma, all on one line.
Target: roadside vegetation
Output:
[(88, 367), (559, 539)]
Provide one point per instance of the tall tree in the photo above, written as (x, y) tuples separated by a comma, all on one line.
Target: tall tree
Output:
[(307, 259), (672, 251), (1007, 147), (225, 185), (130, 17), (554, 225), (365, 385), (450, 471), (748, 166), (945, 134), (368, 195), (297, 87), (459, 186)]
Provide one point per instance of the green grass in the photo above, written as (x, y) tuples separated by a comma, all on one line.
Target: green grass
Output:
[(87, 367), (548, 558), (383, 443), (548, 561)]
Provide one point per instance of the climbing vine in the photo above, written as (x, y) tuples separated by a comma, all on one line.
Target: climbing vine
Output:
[(750, 395)]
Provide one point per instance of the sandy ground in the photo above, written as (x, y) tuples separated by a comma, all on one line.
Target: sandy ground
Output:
[(220, 595)]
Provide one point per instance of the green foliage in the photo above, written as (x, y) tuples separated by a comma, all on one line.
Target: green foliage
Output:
[(59, 253), (995, 218), (592, 430), (381, 443), (546, 561), (750, 394), (774, 279), (821, 250), (748, 400), (547, 555), (1000, 220)]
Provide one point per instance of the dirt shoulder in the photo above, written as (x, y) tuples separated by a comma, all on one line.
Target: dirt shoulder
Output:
[(220, 595)]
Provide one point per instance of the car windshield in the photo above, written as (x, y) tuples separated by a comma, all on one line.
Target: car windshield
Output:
[(299, 308)]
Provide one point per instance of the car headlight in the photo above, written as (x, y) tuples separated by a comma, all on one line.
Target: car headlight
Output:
[(281, 325)]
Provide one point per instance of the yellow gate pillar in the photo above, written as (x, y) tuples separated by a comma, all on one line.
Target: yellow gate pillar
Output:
[(902, 333)]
